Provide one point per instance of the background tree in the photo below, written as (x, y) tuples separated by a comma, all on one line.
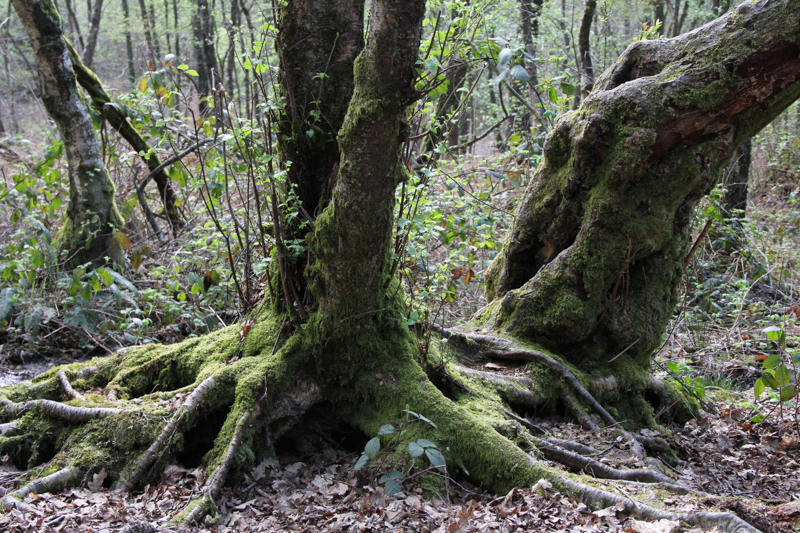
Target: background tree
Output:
[(92, 215)]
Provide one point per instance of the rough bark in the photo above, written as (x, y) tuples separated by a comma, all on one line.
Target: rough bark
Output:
[(92, 215), (592, 262), (584, 49), (94, 31), (114, 115)]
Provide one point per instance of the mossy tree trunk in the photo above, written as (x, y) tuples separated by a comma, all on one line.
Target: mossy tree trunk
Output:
[(592, 262), (618, 183), (92, 215)]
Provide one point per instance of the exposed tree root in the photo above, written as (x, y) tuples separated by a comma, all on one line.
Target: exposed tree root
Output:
[(180, 421), (52, 483), (599, 498), (68, 390), (56, 410), (214, 485)]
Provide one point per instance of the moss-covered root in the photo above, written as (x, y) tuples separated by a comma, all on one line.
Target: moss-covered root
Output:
[(292, 404), (214, 484), (599, 498), (180, 422), (60, 480)]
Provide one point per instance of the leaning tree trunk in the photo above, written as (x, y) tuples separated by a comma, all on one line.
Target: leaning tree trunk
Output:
[(118, 120), (92, 215), (592, 262), (619, 179)]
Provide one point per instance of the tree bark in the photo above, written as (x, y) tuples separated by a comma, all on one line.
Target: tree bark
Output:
[(584, 49), (92, 215), (592, 262), (94, 31), (530, 11), (148, 33)]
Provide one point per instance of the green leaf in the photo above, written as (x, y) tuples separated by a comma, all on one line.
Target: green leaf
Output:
[(86, 292), (436, 458), (7, 298), (415, 450), (192, 73), (519, 73), (787, 393), (769, 381), (108, 277), (775, 334), (567, 89), (425, 443), (771, 362), (386, 429), (183, 67), (504, 57), (394, 474), (362, 462), (412, 413), (782, 376), (392, 487), (758, 388), (373, 447), (248, 64)]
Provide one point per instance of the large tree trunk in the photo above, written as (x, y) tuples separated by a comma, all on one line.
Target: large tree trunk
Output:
[(618, 183), (592, 262), (92, 215)]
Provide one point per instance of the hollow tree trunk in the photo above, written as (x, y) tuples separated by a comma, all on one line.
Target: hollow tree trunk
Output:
[(92, 215), (592, 262), (94, 31)]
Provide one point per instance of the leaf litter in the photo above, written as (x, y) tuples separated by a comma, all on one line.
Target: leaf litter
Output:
[(753, 467)]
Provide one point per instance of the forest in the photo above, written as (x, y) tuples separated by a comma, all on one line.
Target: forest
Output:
[(399, 265)]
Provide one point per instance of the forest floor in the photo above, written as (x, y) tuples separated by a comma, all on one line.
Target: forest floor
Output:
[(752, 469)]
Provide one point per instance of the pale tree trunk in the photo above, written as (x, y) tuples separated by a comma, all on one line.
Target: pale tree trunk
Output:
[(592, 262), (94, 31), (92, 215), (584, 48)]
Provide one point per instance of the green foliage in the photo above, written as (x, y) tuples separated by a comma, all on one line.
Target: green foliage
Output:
[(391, 478)]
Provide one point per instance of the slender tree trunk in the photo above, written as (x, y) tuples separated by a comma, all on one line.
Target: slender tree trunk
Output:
[(151, 13), (94, 31), (530, 11), (584, 50), (74, 20), (176, 28), (737, 176), (166, 27), (593, 260), (92, 215), (128, 42), (203, 75), (11, 93), (148, 34), (207, 41)]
